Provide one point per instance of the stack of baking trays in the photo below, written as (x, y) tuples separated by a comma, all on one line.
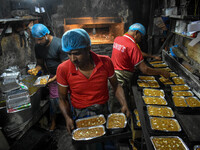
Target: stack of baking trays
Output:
[(98, 127), (162, 99)]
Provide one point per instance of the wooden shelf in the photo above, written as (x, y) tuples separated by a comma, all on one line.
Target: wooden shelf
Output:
[(181, 17), (18, 19)]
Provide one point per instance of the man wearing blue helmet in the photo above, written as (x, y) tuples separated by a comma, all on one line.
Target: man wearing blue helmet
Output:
[(86, 76), (127, 57), (49, 55)]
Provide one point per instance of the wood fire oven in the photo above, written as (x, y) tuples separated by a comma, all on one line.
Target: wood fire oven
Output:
[(102, 30)]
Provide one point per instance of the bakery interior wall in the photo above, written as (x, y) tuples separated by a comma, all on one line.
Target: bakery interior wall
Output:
[(14, 53)]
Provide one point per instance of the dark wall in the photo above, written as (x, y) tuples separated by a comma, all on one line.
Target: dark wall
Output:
[(4, 8)]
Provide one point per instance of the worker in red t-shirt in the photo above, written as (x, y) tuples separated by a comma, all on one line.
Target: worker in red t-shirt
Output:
[(127, 56), (85, 75)]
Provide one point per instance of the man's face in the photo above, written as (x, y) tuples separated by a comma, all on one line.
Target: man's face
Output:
[(43, 41), (139, 36), (79, 57)]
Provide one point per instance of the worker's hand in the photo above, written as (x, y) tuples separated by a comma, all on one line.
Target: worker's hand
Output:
[(33, 71), (69, 125), (157, 57), (125, 110), (50, 80), (165, 74)]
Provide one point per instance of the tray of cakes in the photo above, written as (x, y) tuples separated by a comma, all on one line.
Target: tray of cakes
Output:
[(146, 77), (116, 123), (183, 87), (166, 69), (153, 92), (166, 81), (156, 62), (90, 121), (178, 80), (168, 142), (162, 65), (159, 111), (153, 100), (116, 120), (182, 93), (88, 133), (41, 81), (186, 104), (164, 124), (148, 83)]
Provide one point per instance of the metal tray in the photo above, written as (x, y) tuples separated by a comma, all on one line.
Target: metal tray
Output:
[(93, 118), (118, 114), (182, 85), (178, 125), (143, 82), (166, 69), (161, 65), (173, 74), (148, 83), (196, 147), (146, 77), (181, 93), (156, 62), (166, 82), (89, 137), (18, 100), (156, 97), (195, 99), (169, 108), (182, 142), (178, 78), (155, 90), (9, 87), (37, 82), (181, 98)]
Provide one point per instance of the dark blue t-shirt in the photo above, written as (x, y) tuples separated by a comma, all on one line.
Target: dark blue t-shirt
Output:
[(51, 55)]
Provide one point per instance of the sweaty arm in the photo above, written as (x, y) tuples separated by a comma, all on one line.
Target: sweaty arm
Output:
[(119, 93), (65, 107), (150, 71)]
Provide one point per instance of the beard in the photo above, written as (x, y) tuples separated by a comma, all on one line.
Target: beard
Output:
[(45, 43)]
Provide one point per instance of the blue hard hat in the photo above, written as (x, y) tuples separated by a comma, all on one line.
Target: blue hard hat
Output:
[(75, 39), (139, 27), (39, 30)]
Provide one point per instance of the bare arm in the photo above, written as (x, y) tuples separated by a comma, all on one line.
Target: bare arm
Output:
[(65, 107), (119, 93), (54, 77), (150, 71), (150, 56)]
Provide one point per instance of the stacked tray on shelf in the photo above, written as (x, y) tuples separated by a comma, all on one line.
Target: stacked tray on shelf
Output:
[(183, 98), (164, 124), (147, 82)]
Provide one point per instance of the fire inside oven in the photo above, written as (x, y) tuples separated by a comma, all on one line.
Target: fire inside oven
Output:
[(102, 30)]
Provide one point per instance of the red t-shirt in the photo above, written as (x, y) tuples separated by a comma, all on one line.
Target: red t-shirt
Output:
[(86, 92), (126, 54)]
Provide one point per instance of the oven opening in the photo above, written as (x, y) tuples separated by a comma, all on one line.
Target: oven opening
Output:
[(102, 30)]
